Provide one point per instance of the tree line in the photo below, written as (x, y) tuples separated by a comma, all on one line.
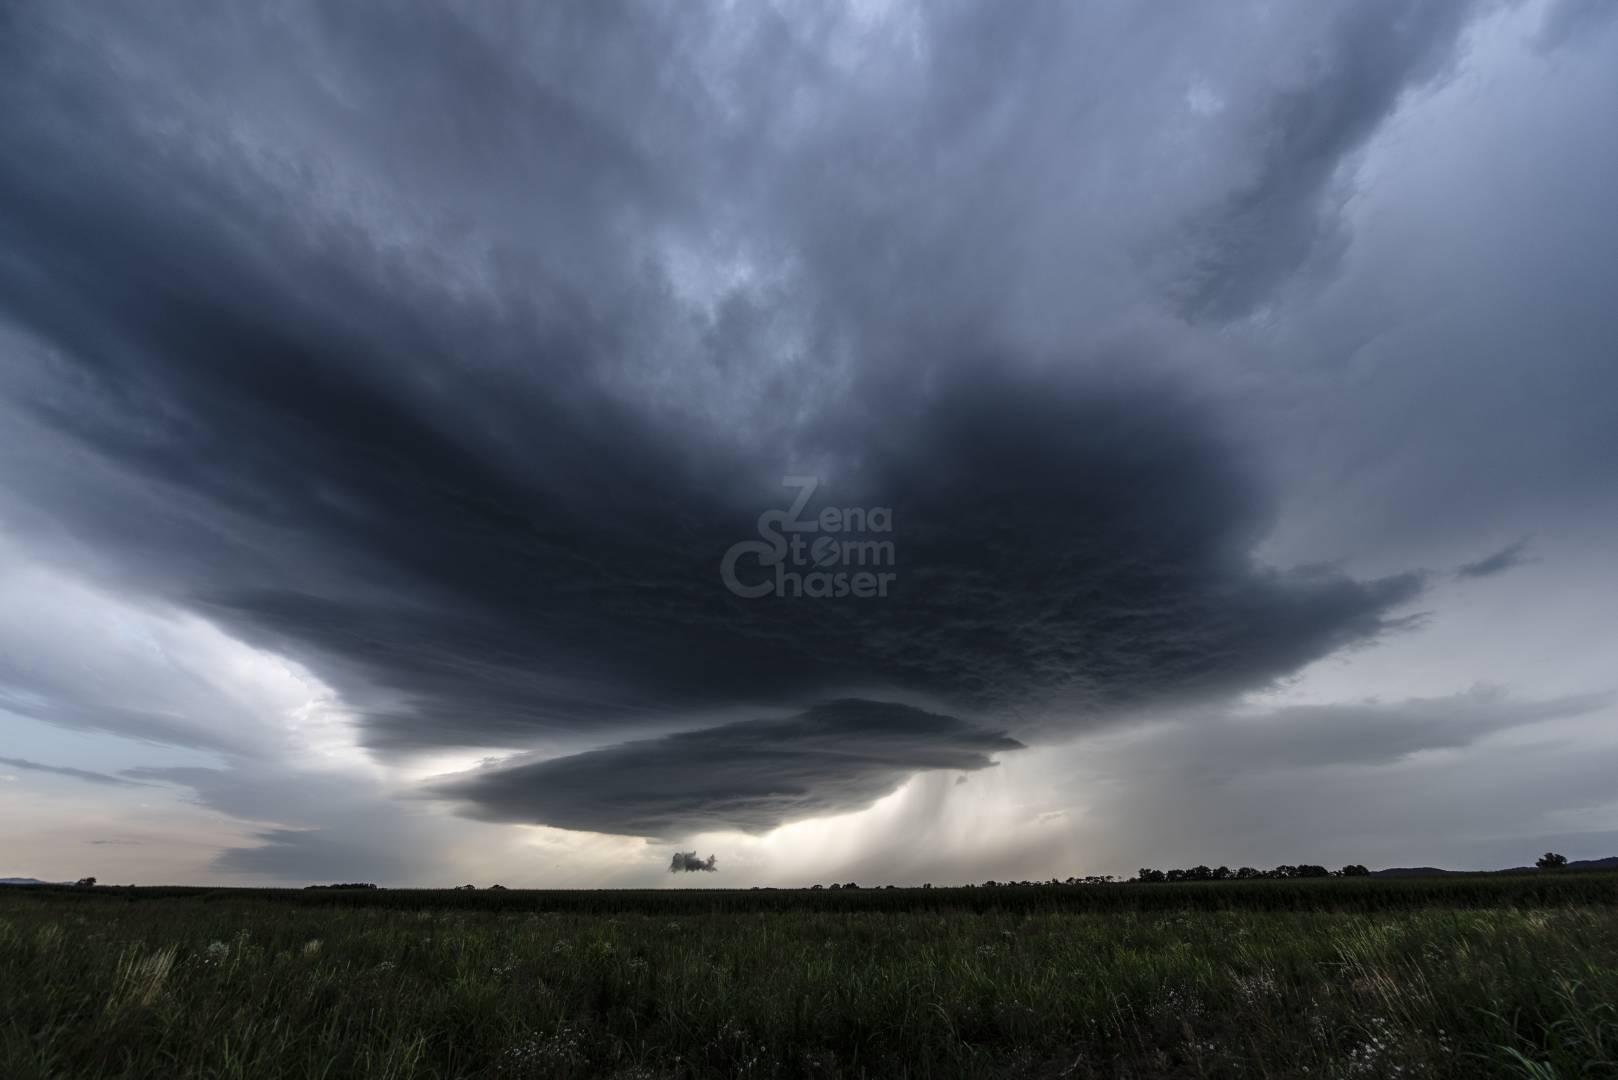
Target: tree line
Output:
[(1285, 872)]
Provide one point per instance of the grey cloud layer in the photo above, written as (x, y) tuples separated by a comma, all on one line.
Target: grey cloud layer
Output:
[(1368, 733), (457, 388)]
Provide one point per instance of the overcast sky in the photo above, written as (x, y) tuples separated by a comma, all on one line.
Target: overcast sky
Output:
[(886, 441)]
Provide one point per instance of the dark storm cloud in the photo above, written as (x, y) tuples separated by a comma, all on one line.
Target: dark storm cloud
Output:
[(752, 775), (1507, 558), (61, 770), (1058, 545), (460, 489), (1062, 543)]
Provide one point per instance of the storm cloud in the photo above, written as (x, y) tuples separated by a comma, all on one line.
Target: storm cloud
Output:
[(447, 505), (1289, 214), (444, 355)]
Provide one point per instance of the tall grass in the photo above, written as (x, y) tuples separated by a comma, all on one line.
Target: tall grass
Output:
[(262, 987)]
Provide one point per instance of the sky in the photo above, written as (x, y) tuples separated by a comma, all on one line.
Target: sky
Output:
[(596, 445)]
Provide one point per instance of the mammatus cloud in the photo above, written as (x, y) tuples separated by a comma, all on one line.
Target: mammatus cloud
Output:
[(687, 862)]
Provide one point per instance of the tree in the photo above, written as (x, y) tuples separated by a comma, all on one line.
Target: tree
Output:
[(1355, 870), (1248, 873), (1551, 861), (87, 882), (344, 885)]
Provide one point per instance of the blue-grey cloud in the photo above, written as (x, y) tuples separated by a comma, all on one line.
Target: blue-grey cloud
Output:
[(1571, 22)]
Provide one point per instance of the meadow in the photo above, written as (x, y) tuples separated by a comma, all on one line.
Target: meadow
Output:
[(1449, 977)]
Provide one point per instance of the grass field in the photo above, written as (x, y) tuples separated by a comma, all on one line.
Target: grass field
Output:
[(1455, 977)]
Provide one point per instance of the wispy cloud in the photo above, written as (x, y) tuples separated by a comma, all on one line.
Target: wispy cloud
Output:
[(1507, 558), (77, 774)]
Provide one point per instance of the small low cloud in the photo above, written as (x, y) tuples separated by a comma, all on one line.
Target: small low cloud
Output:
[(1507, 558), (688, 863)]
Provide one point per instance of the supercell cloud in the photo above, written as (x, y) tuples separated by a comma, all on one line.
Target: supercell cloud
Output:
[(443, 356)]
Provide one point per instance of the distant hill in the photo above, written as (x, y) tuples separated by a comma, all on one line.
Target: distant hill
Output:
[(26, 881), (1609, 863)]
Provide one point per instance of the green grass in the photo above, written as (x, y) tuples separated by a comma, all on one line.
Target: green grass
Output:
[(1043, 983)]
